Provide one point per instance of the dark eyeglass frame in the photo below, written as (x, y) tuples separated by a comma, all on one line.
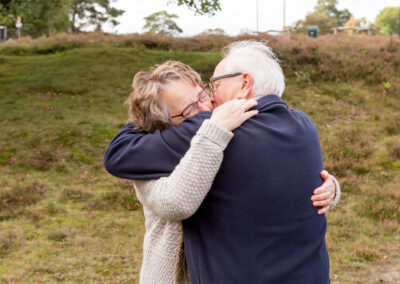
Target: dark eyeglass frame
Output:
[(213, 79), (200, 98)]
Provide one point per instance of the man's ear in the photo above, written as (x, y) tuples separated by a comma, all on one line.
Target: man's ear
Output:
[(247, 84)]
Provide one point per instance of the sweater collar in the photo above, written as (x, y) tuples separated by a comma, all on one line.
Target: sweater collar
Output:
[(266, 102)]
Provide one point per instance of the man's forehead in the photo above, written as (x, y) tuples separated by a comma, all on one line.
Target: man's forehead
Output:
[(220, 68)]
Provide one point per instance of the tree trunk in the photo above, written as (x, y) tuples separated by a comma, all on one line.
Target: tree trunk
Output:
[(74, 11)]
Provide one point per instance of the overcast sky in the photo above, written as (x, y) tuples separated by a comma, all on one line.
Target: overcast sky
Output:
[(237, 15)]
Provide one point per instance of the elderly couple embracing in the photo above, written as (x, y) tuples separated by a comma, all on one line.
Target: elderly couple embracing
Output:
[(231, 179)]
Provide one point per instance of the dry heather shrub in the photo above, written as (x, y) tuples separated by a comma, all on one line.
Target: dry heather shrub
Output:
[(74, 195), (382, 203), (42, 160), (366, 253), (338, 57), (392, 225), (392, 125), (8, 242), (349, 153), (58, 236), (112, 200), (395, 151), (153, 41), (14, 200)]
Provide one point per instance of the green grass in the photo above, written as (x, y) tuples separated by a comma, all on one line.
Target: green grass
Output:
[(63, 218)]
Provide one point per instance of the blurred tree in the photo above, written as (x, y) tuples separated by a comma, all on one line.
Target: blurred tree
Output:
[(324, 23), (328, 8), (388, 20), (216, 31), (201, 7), (6, 15), (45, 17), (92, 13), (162, 23), (355, 22), (39, 17)]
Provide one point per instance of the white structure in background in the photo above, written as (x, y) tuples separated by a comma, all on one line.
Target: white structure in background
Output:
[(18, 25), (356, 29), (3, 33)]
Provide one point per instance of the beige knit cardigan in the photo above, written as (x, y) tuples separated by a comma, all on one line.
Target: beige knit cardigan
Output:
[(169, 200)]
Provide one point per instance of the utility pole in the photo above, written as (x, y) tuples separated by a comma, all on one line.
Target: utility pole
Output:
[(257, 14), (284, 14)]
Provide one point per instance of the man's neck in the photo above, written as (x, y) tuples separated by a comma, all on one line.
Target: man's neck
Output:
[(256, 98)]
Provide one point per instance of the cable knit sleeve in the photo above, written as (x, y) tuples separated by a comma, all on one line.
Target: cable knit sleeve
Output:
[(178, 196)]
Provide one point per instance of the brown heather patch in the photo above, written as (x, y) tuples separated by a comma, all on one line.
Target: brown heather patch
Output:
[(58, 236), (392, 225), (395, 151), (8, 242), (332, 58), (382, 203), (392, 124), (15, 199), (212, 42), (349, 152), (74, 195), (114, 200), (41, 160), (366, 253)]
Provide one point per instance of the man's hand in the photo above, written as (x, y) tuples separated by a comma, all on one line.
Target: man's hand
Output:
[(323, 196)]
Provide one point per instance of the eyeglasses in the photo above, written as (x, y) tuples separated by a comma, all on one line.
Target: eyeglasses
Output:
[(201, 97), (212, 80)]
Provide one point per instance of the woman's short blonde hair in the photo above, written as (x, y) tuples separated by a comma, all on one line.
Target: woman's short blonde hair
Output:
[(145, 104)]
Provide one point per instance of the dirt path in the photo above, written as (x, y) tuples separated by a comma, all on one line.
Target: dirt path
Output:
[(378, 273), (389, 273)]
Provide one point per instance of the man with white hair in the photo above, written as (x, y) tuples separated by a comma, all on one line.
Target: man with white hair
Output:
[(239, 234), (257, 224), (248, 60)]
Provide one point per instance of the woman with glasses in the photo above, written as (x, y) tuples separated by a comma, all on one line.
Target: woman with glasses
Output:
[(162, 97)]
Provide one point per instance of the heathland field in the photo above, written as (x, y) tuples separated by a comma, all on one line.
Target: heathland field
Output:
[(63, 218)]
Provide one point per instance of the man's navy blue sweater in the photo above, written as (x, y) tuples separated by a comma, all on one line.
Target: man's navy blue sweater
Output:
[(257, 224)]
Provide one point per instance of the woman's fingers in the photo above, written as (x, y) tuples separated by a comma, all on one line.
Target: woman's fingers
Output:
[(251, 113), (323, 210), (322, 196), (324, 202), (249, 104), (324, 174), (233, 113), (328, 185)]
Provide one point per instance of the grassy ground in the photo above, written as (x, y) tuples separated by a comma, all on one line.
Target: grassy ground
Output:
[(63, 218)]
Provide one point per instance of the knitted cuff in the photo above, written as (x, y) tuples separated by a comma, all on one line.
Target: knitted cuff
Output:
[(337, 195), (215, 133)]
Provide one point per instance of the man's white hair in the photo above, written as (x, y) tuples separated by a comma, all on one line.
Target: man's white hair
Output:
[(257, 59)]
